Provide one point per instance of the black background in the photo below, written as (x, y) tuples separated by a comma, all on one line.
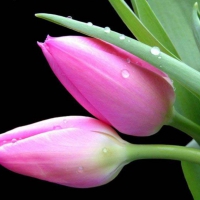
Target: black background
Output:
[(30, 92)]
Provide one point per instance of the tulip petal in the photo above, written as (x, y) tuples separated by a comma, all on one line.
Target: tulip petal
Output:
[(77, 156), (115, 86), (71, 87), (85, 123)]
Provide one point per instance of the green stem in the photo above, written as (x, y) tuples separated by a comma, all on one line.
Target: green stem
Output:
[(172, 152), (184, 124)]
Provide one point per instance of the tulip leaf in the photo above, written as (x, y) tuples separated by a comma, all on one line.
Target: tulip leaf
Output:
[(192, 174), (151, 22), (175, 18), (196, 24), (185, 75), (140, 31)]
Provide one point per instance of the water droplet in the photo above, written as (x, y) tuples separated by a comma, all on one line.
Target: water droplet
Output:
[(160, 66), (105, 150), (14, 140), (122, 37), (107, 29), (70, 17), (57, 127), (155, 51), (128, 60), (125, 73), (80, 169), (159, 57), (90, 24), (137, 63)]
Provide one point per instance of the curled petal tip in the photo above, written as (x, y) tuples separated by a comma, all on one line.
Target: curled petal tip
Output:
[(40, 44), (48, 37)]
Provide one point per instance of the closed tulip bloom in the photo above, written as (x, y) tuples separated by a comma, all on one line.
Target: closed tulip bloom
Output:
[(73, 151), (115, 86)]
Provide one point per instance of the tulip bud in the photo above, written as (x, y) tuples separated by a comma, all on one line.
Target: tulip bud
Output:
[(74, 151), (115, 86)]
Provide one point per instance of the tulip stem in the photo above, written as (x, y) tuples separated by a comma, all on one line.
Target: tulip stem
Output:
[(184, 124), (171, 152)]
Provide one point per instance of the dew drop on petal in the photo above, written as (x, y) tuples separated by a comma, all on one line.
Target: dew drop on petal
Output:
[(57, 127), (80, 169), (14, 140), (155, 51), (122, 37), (125, 73), (70, 17), (90, 24), (128, 60), (107, 29), (138, 63), (159, 57)]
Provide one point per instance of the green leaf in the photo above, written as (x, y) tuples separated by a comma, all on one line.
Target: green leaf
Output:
[(179, 71), (176, 17), (133, 2), (192, 174), (151, 22), (140, 31), (186, 103), (196, 24)]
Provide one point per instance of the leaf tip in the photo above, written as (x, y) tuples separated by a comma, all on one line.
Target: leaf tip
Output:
[(38, 15)]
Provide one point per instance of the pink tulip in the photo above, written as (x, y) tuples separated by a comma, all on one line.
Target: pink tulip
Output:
[(74, 151), (115, 86)]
